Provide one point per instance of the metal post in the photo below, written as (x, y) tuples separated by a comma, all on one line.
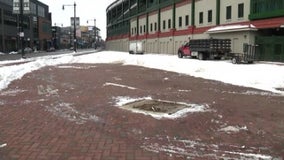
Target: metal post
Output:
[(22, 28), (75, 40), (95, 30)]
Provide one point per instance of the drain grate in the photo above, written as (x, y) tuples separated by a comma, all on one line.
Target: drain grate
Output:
[(156, 106)]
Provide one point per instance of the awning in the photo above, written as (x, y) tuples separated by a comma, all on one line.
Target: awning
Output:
[(232, 28)]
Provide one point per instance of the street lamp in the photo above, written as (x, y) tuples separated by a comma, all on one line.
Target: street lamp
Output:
[(22, 35), (75, 40), (95, 30)]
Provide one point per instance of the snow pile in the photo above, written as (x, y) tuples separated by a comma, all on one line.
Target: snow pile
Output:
[(266, 77), (14, 72)]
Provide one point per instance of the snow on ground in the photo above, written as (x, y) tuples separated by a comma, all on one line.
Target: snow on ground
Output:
[(267, 77), (193, 149)]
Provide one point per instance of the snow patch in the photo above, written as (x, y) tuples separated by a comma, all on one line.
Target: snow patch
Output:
[(12, 92), (201, 150), (119, 85), (67, 111), (3, 145), (75, 67), (233, 129), (120, 100)]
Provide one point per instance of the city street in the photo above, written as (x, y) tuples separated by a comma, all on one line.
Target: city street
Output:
[(75, 112), (42, 53)]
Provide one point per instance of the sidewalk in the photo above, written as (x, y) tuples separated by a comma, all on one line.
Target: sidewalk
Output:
[(70, 112)]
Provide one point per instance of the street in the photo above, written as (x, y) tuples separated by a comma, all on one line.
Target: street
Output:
[(42, 53)]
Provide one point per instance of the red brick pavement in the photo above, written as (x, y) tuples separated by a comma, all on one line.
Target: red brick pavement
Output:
[(69, 114)]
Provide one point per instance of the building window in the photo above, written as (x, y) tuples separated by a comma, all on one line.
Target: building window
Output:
[(151, 27), (229, 12), (155, 26), (169, 24), (135, 30), (209, 16), (180, 21), (200, 17), (140, 29), (131, 31), (144, 28), (164, 24), (41, 11), (241, 10), (187, 20)]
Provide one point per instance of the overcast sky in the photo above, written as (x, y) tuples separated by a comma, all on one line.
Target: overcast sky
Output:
[(87, 10)]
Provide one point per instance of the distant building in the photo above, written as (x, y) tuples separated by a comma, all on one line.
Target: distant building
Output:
[(87, 37), (164, 25), (37, 27)]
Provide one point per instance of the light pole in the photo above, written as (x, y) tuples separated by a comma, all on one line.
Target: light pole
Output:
[(22, 28), (95, 30), (74, 25)]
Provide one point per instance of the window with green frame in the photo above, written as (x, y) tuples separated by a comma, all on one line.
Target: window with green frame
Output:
[(228, 12), (200, 17), (209, 16), (187, 20), (241, 10), (180, 21)]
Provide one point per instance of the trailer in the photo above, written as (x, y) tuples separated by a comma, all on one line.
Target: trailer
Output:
[(205, 48), (247, 57)]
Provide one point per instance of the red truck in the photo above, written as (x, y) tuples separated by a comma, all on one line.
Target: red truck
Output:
[(205, 48)]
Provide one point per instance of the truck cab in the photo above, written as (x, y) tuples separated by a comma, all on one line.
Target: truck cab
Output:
[(184, 50)]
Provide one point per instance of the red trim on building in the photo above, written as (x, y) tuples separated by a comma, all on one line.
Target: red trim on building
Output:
[(166, 8), (259, 24), (123, 36), (155, 35), (183, 3), (143, 16), (268, 23), (153, 13)]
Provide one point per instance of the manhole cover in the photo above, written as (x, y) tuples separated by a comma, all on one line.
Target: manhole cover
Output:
[(161, 109), (155, 106)]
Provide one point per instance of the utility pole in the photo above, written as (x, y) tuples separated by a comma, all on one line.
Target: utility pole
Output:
[(22, 34), (74, 25)]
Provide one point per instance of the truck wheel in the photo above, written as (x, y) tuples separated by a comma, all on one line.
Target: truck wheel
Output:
[(235, 60), (180, 55), (200, 56)]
